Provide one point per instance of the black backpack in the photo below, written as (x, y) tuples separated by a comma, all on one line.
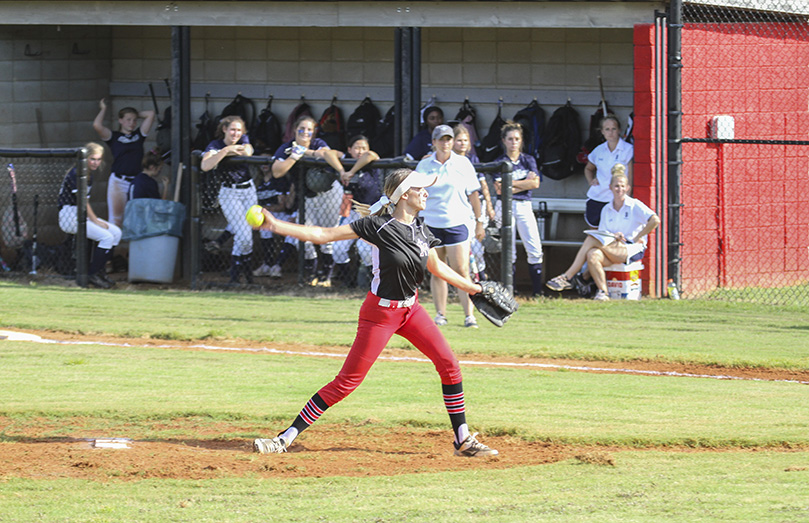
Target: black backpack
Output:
[(163, 137), (242, 107), (532, 120), (491, 146), (382, 143), (630, 127), (206, 129), (363, 120), (561, 143), (331, 128), (266, 135)]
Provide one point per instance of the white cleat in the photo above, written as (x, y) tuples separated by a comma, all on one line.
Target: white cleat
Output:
[(264, 270), (472, 448), (275, 445)]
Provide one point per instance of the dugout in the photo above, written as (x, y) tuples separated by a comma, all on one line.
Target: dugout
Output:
[(66, 55)]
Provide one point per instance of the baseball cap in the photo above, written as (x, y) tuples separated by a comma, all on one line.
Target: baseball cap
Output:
[(414, 179), (441, 131)]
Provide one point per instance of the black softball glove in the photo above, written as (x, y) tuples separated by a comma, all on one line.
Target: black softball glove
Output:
[(495, 302)]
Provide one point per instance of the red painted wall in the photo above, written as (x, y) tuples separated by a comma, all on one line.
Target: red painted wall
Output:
[(645, 177), (745, 220)]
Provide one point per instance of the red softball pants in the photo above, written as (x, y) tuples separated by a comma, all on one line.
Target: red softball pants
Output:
[(376, 327)]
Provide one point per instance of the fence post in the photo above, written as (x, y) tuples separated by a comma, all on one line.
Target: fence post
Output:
[(194, 221), (506, 228), (675, 129), (81, 218)]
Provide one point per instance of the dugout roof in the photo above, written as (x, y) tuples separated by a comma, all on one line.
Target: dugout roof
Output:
[(245, 13)]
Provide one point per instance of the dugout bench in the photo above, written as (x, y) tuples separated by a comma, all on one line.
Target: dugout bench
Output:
[(560, 222), (548, 211)]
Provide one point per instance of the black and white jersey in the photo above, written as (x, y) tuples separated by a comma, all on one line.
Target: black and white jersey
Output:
[(399, 254)]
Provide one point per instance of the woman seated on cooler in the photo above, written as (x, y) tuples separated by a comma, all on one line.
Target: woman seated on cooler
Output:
[(628, 220)]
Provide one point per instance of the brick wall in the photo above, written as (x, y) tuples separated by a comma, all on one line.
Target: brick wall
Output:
[(645, 175)]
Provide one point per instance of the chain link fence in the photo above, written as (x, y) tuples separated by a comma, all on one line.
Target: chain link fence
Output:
[(32, 246), (310, 193), (745, 133)]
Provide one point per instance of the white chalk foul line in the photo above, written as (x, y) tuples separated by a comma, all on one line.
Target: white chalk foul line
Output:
[(552, 366)]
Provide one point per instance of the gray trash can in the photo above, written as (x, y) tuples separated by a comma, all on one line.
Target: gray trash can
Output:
[(153, 229)]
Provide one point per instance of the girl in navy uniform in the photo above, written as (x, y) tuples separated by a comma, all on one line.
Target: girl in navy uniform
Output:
[(365, 187), (127, 154), (525, 178), (277, 195), (237, 194), (463, 147), (404, 250), (321, 209), (145, 184), (422, 144), (108, 235)]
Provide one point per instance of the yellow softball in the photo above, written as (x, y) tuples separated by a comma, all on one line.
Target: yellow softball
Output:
[(254, 216)]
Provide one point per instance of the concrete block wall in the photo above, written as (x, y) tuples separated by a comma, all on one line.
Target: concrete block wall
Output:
[(63, 72), (55, 77), (519, 64), (319, 63), (79, 65)]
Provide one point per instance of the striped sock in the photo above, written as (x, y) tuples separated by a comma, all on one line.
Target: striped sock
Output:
[(456, 408), (310, 413), (454, 403)]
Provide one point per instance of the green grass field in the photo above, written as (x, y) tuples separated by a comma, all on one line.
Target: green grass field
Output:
[(689, 449)]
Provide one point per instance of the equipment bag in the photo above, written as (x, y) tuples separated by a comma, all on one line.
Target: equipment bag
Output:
[(630, 126), (467, 117), (561, 143), (266, 135), (242, 107), (331, 127), (163, 137), (363, 120), (206, 129), (302, 109), (382, 143), (532, 120), (491, 145)]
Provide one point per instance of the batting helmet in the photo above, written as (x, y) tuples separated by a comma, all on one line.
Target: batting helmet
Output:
[(319, 180)]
